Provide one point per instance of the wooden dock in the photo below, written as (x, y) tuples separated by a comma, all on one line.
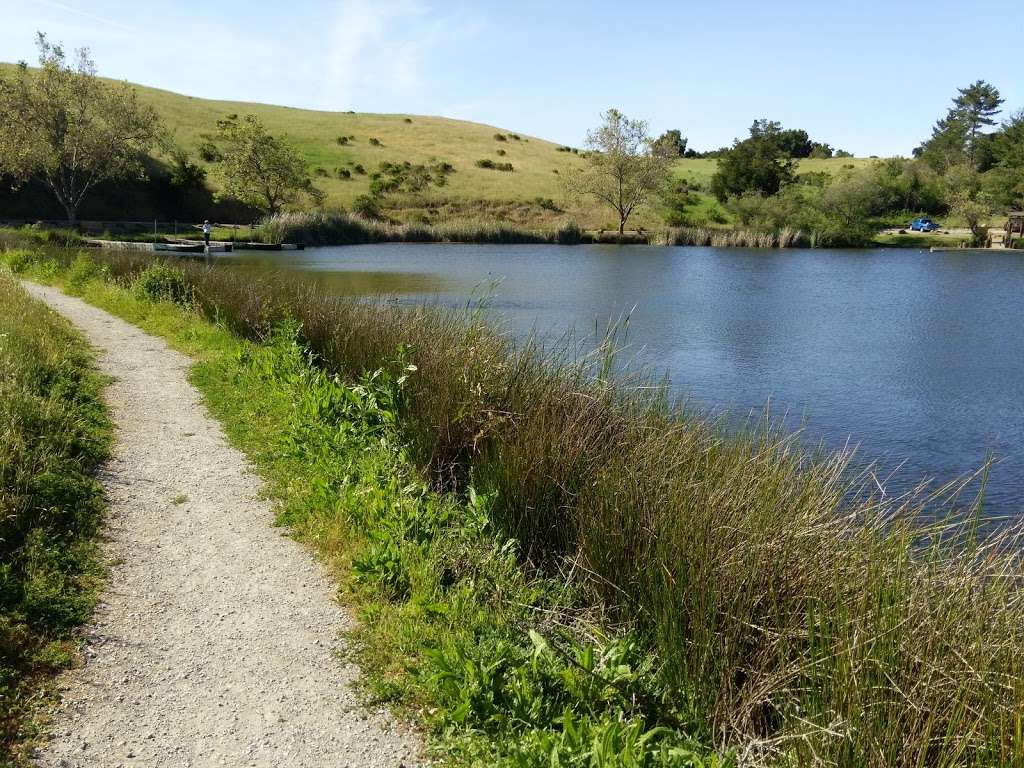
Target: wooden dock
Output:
[(937, 249), (191, 246), (182, 247)]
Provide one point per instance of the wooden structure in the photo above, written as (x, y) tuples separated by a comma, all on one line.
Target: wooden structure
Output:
[(1014, 227)]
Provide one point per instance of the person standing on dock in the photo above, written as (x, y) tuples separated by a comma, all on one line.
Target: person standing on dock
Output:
[(206, 233)]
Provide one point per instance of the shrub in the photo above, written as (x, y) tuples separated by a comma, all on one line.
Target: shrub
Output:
[(491, 165), (501, 153), (162, 282), (321, 172), (344, 173), (210, 152), (342, 140), (366, 206), (375, 142), (358, 168), (547, 204), (82, 270), (407, 120), (500, 137)]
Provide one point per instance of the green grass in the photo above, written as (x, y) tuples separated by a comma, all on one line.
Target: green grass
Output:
[(764, 598), (54, 432)]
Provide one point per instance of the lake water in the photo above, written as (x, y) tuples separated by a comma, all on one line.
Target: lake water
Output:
[(915, 357)]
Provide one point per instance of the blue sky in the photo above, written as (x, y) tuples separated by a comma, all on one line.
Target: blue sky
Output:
[(866, 76)]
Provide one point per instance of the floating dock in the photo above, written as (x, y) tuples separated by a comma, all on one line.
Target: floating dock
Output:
[(269, 247), (191, 246), (940, 249), (183, 247)]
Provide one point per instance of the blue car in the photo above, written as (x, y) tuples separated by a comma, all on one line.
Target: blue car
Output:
[(923, 224)]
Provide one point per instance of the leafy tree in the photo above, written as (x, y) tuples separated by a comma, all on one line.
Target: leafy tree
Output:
[(820, 150), (672, 142), (66, 127), (259, 169), (968, 200), (1005, 182), (759, 163), (796, 143), (625, 167)]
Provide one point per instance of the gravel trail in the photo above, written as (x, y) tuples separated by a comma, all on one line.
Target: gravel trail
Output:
[(214, 640)]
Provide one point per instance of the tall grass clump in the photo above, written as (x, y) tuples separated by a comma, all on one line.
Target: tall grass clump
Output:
[(736, 238), (805, 619), (353, 229), (53, 434)]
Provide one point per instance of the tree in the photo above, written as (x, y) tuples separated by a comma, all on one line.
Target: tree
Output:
[(820, 150), (624, 168), (957, 136), (259, 169), (1006, 180), (672, 142), (967, 199), (759, 163), (66, 127), (976, 106)]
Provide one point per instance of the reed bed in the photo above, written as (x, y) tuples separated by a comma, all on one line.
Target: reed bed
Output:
[(351, 229), (738, 238), (801, 618)]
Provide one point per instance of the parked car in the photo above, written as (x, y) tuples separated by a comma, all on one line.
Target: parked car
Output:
[(923, 224)]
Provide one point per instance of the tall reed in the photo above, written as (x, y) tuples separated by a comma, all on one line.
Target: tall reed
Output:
[(351, 229), (736, 238)]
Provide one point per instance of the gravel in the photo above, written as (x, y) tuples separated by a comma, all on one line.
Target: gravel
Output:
[(216, 638)]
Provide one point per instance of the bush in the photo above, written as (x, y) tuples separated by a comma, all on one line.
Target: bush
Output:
[(342, 140), (547, 204), (501, 153), (493, 166), (366, 206), (500, 137), (82, 270), (162, 282), (210, 152), (407, 120), (344, 173), (375, 142)]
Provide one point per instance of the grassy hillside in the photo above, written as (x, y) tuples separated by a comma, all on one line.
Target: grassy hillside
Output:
[(470, 191)]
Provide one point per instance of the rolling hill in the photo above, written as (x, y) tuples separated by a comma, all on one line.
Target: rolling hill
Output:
[(520, 196)]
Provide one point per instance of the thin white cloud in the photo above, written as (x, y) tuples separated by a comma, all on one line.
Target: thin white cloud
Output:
[(383, 48), (113, 24)]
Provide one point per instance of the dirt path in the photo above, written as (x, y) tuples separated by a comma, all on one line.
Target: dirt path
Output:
[(213, 641)]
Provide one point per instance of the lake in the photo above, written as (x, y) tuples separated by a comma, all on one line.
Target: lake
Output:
[(917, 358)]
